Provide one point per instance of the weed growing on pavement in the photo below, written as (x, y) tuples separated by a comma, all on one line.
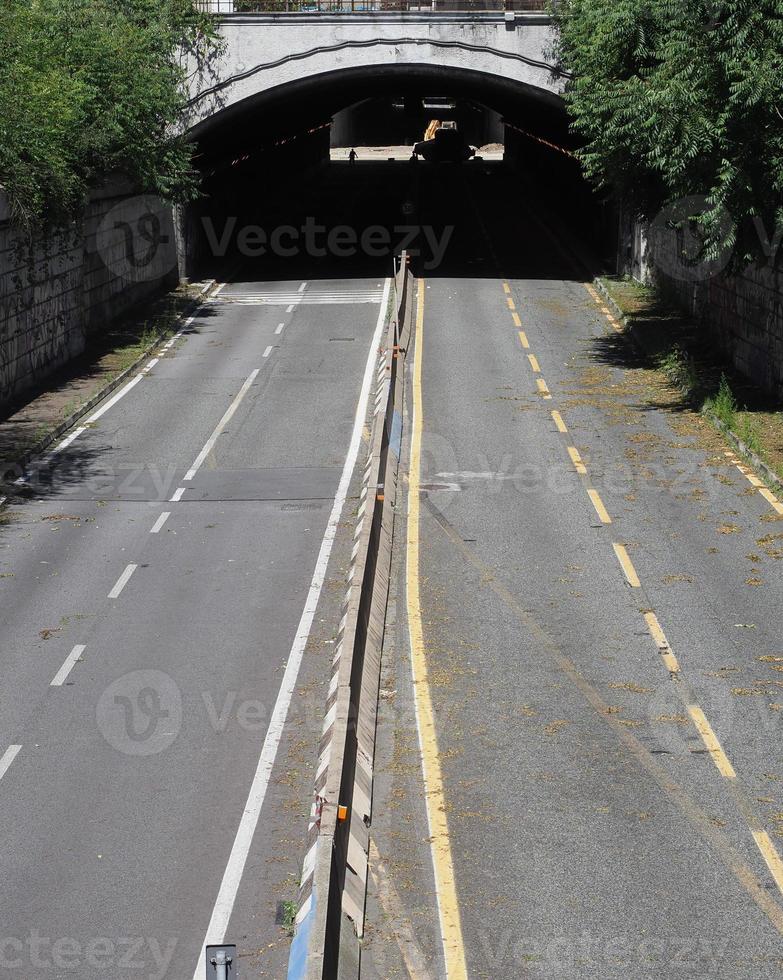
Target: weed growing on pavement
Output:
[(723, 404), (289, 910), (680, 368)]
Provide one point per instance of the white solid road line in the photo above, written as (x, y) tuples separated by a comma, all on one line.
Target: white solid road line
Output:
[(210, 443), (161, 521), (177, 495), (114, 399), (267, 352), (232, 877), (122, 581), (8, 757), (66, 668)]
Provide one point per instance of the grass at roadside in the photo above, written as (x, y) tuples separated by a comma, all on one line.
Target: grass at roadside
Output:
[(679, 349)]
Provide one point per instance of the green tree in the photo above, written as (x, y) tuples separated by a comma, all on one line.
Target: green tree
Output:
[(681, 97), (91, 87)]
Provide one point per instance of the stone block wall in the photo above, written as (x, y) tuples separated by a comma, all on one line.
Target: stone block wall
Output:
[(58, 290), (741, 312)]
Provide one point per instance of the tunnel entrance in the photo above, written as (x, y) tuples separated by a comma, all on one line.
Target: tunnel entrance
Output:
[(284, 198)]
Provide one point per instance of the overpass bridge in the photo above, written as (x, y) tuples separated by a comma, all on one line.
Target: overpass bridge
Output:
[(303, 62)]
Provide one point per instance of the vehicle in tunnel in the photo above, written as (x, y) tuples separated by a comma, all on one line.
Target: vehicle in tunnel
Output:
[(446, 145)]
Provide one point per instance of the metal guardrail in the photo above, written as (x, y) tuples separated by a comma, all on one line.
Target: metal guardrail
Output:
[(330, 919), (369, 6)]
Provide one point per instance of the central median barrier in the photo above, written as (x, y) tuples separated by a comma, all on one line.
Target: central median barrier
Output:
[(329, 923)]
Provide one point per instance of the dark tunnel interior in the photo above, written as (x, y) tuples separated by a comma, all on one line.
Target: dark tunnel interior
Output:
[(271, 195)]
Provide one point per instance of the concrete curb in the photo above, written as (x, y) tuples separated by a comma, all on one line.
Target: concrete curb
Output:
[(754, 459), (329, 924), (43, 444)]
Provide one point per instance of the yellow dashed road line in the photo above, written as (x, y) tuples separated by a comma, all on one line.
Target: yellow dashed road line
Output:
[(515, 318), (602, 512), (770, 497), (627, 565), (506, 287), (770, 855), (510, 302), (576, 459), (661, 642), (711, 742), (709, 738)]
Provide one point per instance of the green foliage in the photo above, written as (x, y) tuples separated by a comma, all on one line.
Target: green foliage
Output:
[(681, 97), (723, 404), (91, 87)]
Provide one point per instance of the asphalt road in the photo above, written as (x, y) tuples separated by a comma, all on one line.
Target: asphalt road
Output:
[(167, 639), (598, 594)]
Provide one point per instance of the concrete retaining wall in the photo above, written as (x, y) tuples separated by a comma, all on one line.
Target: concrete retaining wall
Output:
[(742, 313), (56, 291)]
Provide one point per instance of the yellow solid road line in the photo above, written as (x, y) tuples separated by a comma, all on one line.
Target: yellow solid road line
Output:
[(543, 388), (523, 338), (627, 566), (602, 512), (448, 907), (576, 459), (770, 855), (561, 426), (510, 302), (710, 740), (661, 642), (515, 318), (592, 292), (534, 363)]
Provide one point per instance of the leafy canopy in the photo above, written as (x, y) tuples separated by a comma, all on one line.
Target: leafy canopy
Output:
[(674, 98), (90, 87)]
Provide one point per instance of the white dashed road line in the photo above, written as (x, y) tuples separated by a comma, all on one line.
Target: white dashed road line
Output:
[(122, 581), (67, 666), (8, 757), (161, 521)]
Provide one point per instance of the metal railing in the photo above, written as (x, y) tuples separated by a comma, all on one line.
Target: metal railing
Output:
[(369, 6)]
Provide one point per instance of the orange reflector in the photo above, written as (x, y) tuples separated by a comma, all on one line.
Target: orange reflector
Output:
[(342, 813)]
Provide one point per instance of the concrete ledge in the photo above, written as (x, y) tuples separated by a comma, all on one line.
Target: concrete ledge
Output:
[(260, 19)]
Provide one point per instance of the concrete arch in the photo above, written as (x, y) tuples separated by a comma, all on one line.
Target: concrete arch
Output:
[(273, 60)]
